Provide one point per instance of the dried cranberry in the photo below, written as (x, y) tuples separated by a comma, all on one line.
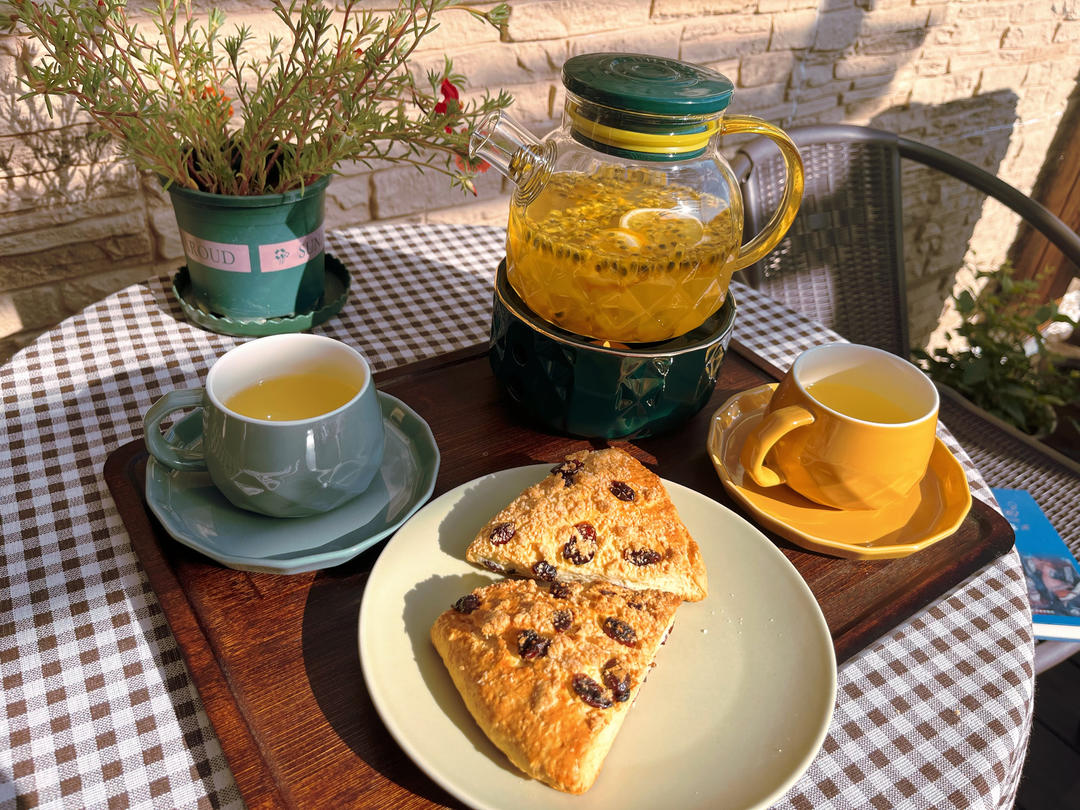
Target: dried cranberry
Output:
[(494, 567), (467, 603), (620, 631), (560, 590), (622, 491), (582, 545), (590, 691), (532, 645), (562, 619), (617, 679), (502, 532), (642, 556), (568, 469), (545, 571), (635, 604)]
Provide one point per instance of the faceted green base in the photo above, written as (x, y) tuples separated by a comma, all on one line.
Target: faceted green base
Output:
[(573, 386)]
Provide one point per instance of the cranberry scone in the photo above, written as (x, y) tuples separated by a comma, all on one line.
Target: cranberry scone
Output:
[(549, 671), (600, 515)]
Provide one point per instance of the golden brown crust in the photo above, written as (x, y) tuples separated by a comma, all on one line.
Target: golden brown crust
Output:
[(639, 543), (529, 706)]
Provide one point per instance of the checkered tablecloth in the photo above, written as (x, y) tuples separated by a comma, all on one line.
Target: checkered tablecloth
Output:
[(99, 711)]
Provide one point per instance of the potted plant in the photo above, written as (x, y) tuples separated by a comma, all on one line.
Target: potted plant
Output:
[(1004, 365), (245, 134)]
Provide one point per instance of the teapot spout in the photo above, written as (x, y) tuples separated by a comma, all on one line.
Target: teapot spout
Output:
[(513, 151)]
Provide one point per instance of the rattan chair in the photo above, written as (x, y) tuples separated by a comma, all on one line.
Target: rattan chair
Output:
[(842, 264)]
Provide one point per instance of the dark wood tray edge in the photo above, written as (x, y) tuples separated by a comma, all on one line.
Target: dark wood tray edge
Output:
[(997, 539)]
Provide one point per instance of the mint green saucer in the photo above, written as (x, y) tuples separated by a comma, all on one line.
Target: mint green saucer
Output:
[(335, 292), (194, 513)]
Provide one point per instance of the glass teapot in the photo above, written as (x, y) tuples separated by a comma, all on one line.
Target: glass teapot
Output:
[(626, 223)]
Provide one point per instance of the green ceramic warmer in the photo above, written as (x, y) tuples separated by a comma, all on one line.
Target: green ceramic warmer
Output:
[(254, 257), (582, 387)]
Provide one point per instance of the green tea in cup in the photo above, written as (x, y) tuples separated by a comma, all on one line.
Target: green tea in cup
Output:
[(301, 395), (846, 391)]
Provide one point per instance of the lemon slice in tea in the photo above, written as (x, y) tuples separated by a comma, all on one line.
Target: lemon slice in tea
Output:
[(618, 239), (663, 225)]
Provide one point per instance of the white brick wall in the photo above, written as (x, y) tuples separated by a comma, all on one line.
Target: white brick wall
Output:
[(985, 79)]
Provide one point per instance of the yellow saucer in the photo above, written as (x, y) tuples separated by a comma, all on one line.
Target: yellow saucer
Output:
[(931, 511)]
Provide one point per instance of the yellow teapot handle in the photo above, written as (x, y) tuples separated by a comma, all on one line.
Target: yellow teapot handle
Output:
[(785, 212)]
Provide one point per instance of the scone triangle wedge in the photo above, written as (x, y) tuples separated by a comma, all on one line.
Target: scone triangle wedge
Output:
[(598, 516), (550, 671)]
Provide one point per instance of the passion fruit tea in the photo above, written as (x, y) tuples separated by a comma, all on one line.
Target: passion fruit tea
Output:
[(622, 255)]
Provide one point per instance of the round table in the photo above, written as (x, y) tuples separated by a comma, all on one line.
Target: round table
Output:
[(99, 710)]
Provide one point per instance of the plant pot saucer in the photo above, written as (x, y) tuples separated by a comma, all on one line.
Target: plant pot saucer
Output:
[(333, 299)]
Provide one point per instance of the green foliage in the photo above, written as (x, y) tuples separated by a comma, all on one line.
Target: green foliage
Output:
[(994, 371), (212, 109)]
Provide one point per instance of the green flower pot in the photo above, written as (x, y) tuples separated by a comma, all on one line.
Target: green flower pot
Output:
[(254, 257)]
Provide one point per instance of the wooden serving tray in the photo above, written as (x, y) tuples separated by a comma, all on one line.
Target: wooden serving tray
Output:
[(275, 657)]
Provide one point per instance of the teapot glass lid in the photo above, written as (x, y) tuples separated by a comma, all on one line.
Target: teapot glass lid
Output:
[(647, 84)]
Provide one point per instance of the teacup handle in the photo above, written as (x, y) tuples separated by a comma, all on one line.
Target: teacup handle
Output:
[(168, 454), (758, 444), (790, 197)]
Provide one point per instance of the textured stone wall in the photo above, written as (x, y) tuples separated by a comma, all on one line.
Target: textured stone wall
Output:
[(984, 79)]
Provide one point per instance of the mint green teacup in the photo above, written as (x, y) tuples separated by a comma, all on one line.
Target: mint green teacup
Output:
[(291, 425)]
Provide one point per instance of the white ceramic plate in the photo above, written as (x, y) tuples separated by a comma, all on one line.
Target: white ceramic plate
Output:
[(734, 712)]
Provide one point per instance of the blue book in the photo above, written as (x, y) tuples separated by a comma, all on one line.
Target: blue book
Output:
[(1053, 575)]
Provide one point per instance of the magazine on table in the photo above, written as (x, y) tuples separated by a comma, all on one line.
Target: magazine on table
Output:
[(1052, 572)]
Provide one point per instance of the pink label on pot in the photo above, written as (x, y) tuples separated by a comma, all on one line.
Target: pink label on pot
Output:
[(283, 255), (218, 255)]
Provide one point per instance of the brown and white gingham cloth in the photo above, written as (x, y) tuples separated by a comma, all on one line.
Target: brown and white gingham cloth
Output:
[(98, 709)]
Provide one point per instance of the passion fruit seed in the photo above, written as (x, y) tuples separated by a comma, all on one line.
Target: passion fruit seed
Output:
[(622, 491), (590, 691), (642, 556), (545, 571), (467, 603), (617, 679), (532, 645), (502, 532), (562, 619), (620, 631), (582, 545)]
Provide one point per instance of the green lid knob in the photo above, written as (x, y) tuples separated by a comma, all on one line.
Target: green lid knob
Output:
[(647, 84)]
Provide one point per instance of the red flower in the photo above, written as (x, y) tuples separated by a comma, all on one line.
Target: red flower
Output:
[(480, 166), (448, 90), (211, 92), (440, 108)]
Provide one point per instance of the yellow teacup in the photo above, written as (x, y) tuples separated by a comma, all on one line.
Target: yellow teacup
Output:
[(849, 426)]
